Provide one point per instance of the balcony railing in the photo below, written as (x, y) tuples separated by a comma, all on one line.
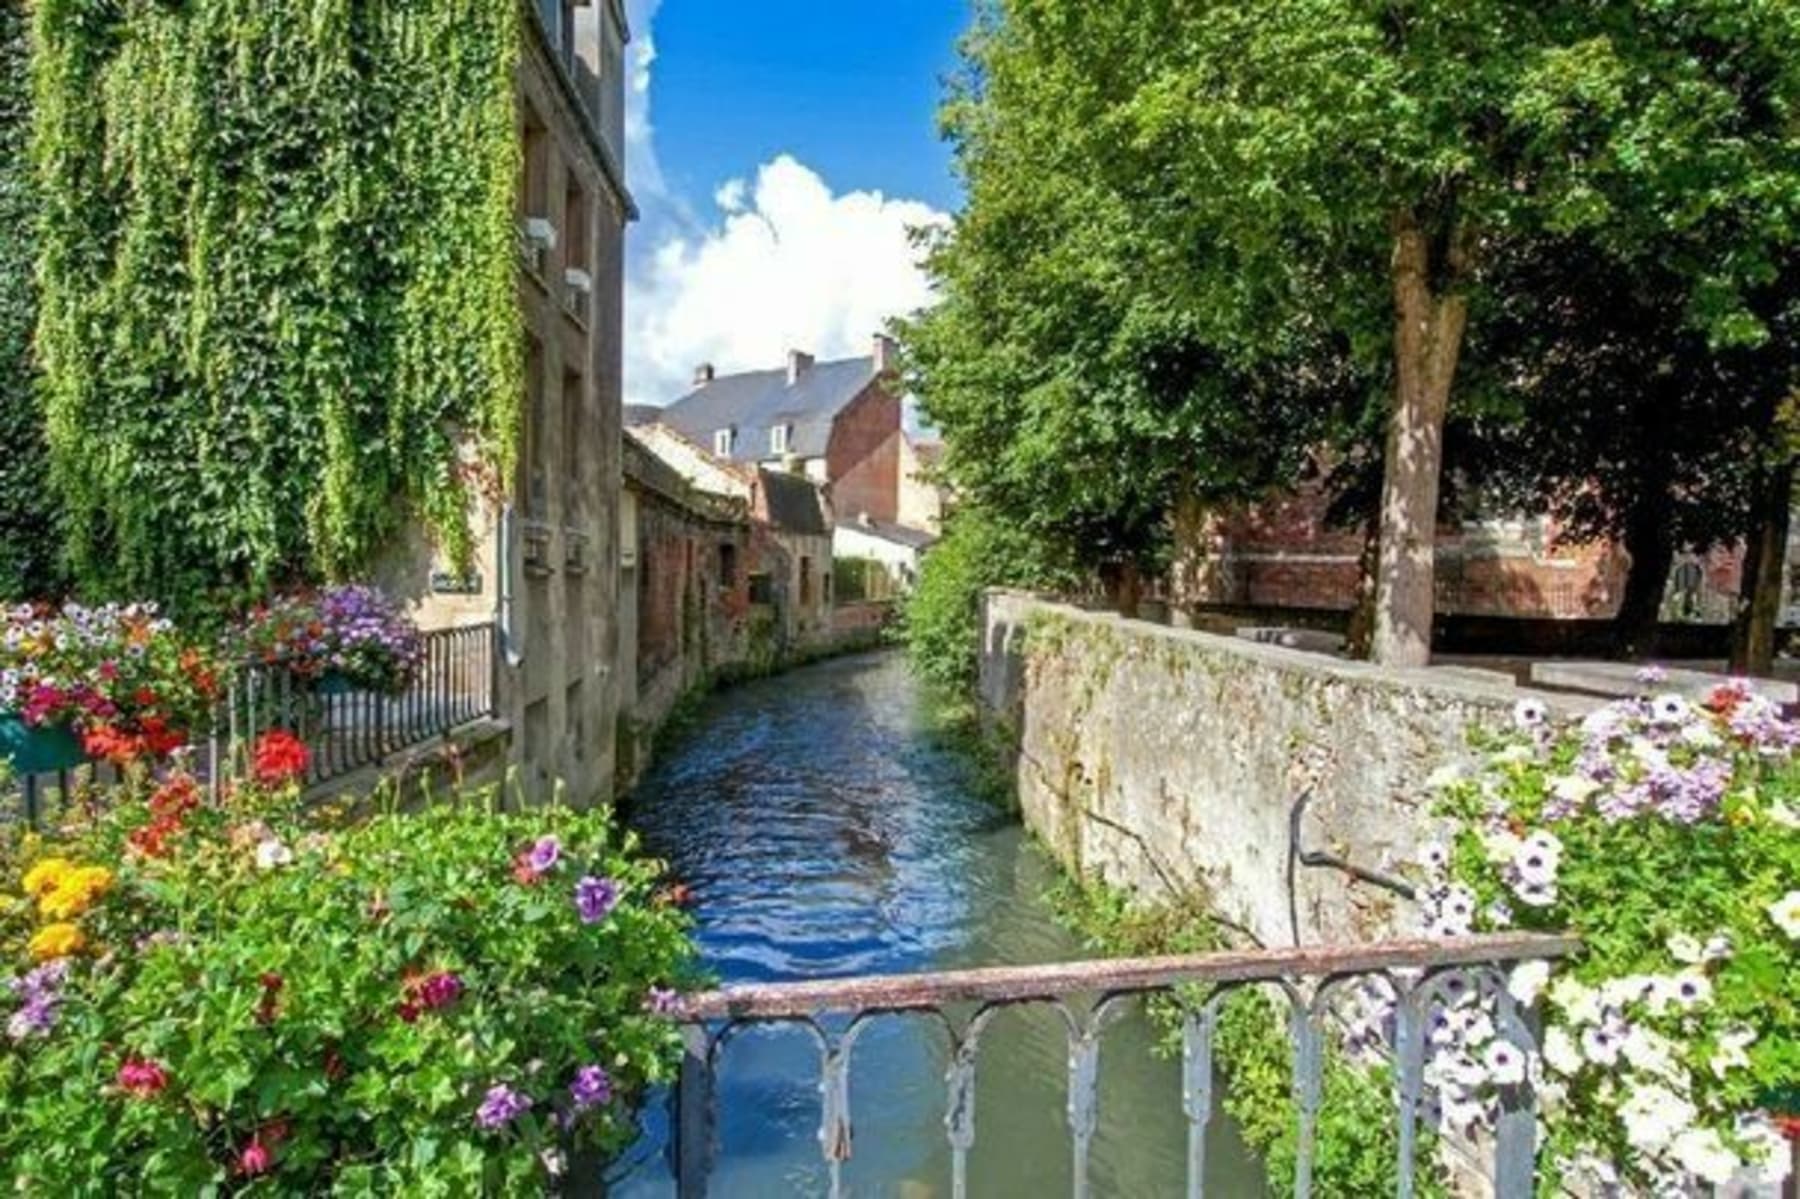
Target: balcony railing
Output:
[(345, 728), (1090, 996)]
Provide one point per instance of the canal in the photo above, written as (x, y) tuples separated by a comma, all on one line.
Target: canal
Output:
[(825, 832)]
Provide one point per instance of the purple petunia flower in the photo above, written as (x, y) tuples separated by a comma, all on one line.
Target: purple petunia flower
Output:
[(592, 1088), (595, 898), (41, 993), (661, 1001), (543, 856), (500, 1107)]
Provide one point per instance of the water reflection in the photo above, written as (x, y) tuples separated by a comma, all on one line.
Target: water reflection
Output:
[(825, 834)]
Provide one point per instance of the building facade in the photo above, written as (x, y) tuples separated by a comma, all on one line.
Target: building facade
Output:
[(839, 423), (546, 566)]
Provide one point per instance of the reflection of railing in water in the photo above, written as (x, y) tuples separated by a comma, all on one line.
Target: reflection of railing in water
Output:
[(836, 1011), (344, 729)]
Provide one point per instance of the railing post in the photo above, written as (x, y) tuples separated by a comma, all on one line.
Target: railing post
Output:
[(1197, 1030), (1409, 1084), (694, 1114), (1084, 1098), (1515, 1136), (1309, 1068)]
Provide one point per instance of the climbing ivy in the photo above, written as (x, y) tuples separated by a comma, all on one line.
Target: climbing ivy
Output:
[(278, 281), (26, 552)]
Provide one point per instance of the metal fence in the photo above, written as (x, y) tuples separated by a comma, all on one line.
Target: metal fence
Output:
[(344, 728), (1090, 996)]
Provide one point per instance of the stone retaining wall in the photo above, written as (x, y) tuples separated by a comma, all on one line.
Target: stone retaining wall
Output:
[(1165, 760)]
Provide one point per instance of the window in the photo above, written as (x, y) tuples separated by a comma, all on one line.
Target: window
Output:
[(806, 580), (573, 410), (778, 439), (727, 564), (532, 453), (722, 442), (762, 588)]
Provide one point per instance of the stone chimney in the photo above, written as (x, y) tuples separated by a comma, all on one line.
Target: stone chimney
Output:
[(703, 374), (798, 364), (887, 354)]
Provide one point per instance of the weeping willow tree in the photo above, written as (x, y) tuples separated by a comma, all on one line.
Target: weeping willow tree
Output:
[(277, 280)]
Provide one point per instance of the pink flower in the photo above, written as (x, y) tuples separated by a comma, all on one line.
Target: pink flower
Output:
[(142, 1078), (256, 1159)]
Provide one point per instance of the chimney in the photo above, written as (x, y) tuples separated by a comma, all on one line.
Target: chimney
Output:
[(798, 364), (703, 374), (887, 354)]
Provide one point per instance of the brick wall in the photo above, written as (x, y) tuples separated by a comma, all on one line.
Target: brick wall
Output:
[(862, 459)]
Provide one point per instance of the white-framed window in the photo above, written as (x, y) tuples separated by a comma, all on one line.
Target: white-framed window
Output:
[(778, 438), (722, 440)]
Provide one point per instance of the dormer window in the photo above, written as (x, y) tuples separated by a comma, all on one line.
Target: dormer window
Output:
[(778, 438), (722, 442)]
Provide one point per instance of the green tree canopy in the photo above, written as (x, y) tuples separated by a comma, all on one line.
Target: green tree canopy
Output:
[(1299, 174)]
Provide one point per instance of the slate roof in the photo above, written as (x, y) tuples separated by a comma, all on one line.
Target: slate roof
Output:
[(916, 539), (641, 414), (794, 503), (755, 402)]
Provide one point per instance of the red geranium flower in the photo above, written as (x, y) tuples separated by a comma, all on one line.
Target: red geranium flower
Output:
[(279, 758)]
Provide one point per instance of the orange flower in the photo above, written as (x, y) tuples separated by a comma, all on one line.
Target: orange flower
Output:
[(57, 941)]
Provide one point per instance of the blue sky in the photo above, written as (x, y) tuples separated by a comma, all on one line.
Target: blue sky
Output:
[(850, 87), (781, 151)]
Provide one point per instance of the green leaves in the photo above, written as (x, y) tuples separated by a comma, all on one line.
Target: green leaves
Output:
[(274, 301)]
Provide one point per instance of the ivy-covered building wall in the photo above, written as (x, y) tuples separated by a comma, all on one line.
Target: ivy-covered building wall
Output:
[(27, 547), (278, 264)]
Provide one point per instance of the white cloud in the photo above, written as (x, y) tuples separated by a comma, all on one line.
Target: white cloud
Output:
[(782, 262), (791, 265)]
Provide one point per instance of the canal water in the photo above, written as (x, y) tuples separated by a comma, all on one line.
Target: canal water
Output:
[(826, 833)]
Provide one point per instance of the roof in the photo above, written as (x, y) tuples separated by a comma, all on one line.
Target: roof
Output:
[(794, 504), (917, 539), (753, 403), (641, 414), (645, 470)]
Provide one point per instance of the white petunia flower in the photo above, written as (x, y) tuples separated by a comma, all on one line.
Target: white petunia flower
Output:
[(1730, 1054), (1653, 1054), (1505, 1064), (1578, 1001), (1602, 1043), (1501, 845), (1653, 1116), (1785, 912), (1702, 1153), (1434, 856), (1530, 713), (1767, 1152), (1573, 789), (1528, 980), (1561, 1053), (1784, 816), (1535, 895), (1684, 949), (271, 854), (1670, 708)]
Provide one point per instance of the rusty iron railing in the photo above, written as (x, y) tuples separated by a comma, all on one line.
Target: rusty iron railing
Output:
[(1090, 996)]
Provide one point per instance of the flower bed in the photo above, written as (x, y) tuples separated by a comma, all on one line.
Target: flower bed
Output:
[(446, 1002), (350, 636), (118, 678), (1667, 835)]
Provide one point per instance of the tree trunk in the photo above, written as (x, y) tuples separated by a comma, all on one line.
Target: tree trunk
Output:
[(1127, 587), (1361, 633), (1428, 334), (1650, 541), (1765, 561)]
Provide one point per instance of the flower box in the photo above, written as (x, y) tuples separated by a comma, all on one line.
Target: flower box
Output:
[(38, 750)]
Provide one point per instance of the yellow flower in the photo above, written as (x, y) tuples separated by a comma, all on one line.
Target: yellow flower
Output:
[(76, 893), (47, 875), (57, 941)]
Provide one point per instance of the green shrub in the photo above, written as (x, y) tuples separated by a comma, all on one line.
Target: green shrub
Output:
[(941, 622), (210, 996)]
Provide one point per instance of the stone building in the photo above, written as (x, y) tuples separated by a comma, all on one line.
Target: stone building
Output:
[(547, 553), (840, 423)]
